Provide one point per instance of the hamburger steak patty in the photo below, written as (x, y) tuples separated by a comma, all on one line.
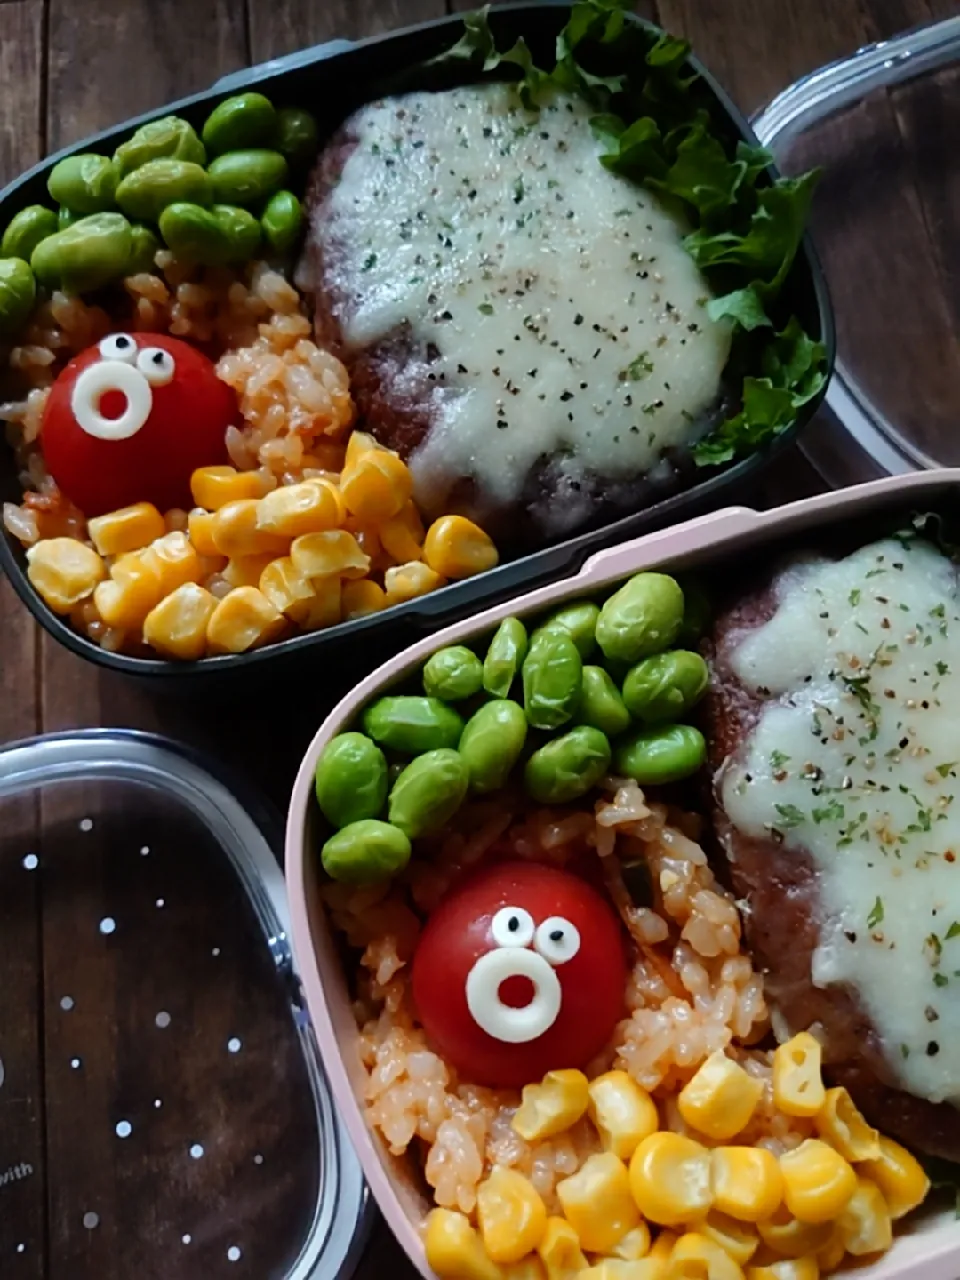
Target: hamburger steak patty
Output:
[(828, 712), (520, 324)]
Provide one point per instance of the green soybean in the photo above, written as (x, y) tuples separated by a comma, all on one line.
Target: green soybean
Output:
[(25, 231), (428, 793), (210, 237), (665, 686), (579, 621), (567, 767), (551, 680), (143, 249), (453, 674), (653, 757), (147, 191), (412, 724), (351, 779), (241, 231), (600, 703), (296, 136), (86, 256), (643, 617), (66, 218), (85, 183), (245, 120), (247, 177), (508, 648), (282, 222), (365, 852), (169, 138), (492, 742), (18, 292)]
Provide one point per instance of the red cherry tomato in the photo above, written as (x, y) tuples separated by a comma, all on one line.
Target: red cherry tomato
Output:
[(520, 970), (131, 419)]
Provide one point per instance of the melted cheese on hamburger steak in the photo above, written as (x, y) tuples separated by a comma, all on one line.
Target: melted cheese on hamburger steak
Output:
[(856, 761), (563, 317)]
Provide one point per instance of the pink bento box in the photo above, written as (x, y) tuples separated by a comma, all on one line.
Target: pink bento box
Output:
[(927, 1248)]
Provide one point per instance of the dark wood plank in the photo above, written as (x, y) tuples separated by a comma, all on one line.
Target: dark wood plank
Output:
[(281, 26)]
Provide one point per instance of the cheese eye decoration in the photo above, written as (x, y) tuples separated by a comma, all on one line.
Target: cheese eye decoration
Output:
[(156, 365), (520, 970), (119, 346)]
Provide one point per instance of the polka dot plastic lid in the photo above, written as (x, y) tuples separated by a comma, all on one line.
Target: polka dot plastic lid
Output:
[(164, 1107)]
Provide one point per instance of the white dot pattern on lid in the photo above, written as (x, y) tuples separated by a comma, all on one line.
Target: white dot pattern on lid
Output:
[(66, 1003), (86, 824), (108, 925), (234, 1044), (234, 1254), (162, 1019), (196, 1151), (124, 1129), (91, 1220), (31, 862)]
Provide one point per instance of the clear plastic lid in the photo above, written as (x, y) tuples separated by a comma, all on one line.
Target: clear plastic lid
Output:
[(163, 1108), (883, 127)]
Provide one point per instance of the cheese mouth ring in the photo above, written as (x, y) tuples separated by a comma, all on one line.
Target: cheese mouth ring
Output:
[(502, 1021), (94, 383)]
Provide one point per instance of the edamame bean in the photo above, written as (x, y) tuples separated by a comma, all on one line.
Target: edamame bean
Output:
[(25, 231), (245, 120), (567, 767), (412, 724), (169, 138), (491, 744), (551, 680), (428, 793), (147, 191), (696, 610), (66, 218), (656, 756), (643, 617), (351, 779), (86, 256), (18, 292), (143, 249), (508, 648), (282, 222), (453, 674), (85, 183), (247, 177), (210, 237), (365, 852), (665, 686), (579, 621), (600, 703), (296, 135), (241, 230)]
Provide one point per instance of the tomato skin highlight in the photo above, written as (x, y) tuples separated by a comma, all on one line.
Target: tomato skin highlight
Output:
[(186, 429), (458, 933)]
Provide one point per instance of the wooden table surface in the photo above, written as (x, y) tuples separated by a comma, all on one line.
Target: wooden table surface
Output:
[(100, 1176)]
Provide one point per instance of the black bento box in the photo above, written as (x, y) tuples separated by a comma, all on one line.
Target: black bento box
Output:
[(332, 80)]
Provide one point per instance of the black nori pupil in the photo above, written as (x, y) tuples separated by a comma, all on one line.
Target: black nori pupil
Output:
[(123, 342), (556, 935), (513, 924), (158, 357)]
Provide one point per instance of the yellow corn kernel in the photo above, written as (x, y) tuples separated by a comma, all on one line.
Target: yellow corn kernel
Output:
[(528, 1268), (596, 1202), (865, 1224), (323, 609), (790, 1269), (376, 486), (840, 1123), (330, 485), (242, 620), (400, 537), (785, 1235), (177, 627), (457, 548), (368, 539), (621, 1269), (128, 529), (832, 1254), (635, 1244), (899, 1175), (284, 587), (294, 509), (245, 571), (662, 1247), (454, 1248), (235, 531), (63, 571), (695, 1257), (316, 555), (747, 1182), (623, 1113), (817, 1181), (797, 1086), (407, 581), (125, 602), (362, 597), (720, 1099), (200, 531), (174, 560), (737, 1239), (214, 487), (560, 1251), (670, 1179), (511, 1216), (552, 1106), (359, 444)]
